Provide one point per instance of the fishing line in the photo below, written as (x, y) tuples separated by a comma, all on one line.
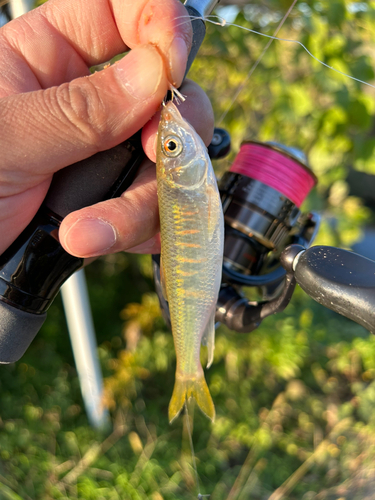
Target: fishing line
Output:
[(200, 495), (176, 95), (255, 65), (224, 23)]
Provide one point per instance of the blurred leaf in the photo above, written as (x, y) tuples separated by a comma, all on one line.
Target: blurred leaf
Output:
[(336, 13)]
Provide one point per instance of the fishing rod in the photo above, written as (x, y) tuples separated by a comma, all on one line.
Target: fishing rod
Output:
[(268, 242), (35, 266)]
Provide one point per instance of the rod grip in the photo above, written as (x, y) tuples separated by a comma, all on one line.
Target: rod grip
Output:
[(102, 176), (17, 330)]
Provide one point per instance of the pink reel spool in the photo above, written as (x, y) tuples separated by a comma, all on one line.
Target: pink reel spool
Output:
[(277, 167)]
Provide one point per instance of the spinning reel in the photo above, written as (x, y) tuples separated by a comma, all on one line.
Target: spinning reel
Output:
[(267, 240)]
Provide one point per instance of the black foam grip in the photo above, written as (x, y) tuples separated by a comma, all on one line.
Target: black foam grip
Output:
[(108, 173), (17, 330), (94, 179), (340, 280)]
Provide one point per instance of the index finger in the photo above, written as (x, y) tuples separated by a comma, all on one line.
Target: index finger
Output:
[(61, 39)]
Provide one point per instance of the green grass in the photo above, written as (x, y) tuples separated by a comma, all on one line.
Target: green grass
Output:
[(294, 402)]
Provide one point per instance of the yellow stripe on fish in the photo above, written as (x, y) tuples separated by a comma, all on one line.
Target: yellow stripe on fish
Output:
[(192, 236)]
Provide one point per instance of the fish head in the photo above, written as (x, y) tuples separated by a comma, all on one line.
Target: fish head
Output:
[(182, 157)]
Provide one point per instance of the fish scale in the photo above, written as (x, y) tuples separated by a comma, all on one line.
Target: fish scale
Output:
[(192, 234)]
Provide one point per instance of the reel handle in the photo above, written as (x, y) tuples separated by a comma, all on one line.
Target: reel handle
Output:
[(340, 280)]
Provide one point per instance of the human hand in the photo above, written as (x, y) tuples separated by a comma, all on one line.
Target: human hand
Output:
[(54, 114)]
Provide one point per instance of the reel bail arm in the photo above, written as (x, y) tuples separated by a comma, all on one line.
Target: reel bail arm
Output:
[(239, 314)]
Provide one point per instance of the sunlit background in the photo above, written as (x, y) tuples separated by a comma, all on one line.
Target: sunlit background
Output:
[(295, 399)]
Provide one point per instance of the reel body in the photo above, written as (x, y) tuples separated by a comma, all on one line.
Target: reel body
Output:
[(261, 196), (267, 240)]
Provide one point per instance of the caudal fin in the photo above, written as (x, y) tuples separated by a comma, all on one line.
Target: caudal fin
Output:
[(196, 388)]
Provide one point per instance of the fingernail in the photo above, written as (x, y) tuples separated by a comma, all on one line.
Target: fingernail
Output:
[(178, 56), (89, 237), (140, 71)]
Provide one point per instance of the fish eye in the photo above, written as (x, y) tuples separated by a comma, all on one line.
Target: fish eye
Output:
[(172, 146)]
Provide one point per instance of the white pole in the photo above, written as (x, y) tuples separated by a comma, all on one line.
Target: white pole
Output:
[(82, 335)]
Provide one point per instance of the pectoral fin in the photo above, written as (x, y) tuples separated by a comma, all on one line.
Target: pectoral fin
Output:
[(162, 280), (208, 338), (214, 209)]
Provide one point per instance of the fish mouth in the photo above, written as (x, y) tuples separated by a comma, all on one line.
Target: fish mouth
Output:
[(170, 113)]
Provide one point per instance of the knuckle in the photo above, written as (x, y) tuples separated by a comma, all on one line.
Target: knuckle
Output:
[(83, 108)]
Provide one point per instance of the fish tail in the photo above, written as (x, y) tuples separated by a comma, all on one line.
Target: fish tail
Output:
[(186, 388)]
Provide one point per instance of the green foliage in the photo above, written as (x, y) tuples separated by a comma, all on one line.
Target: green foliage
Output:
[(290, 97), (294, 398), (297, 392)]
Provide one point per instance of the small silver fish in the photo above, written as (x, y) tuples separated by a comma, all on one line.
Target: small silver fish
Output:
[(192, 237)]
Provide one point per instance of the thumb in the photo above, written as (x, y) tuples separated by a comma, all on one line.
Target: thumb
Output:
[(73, 121)]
